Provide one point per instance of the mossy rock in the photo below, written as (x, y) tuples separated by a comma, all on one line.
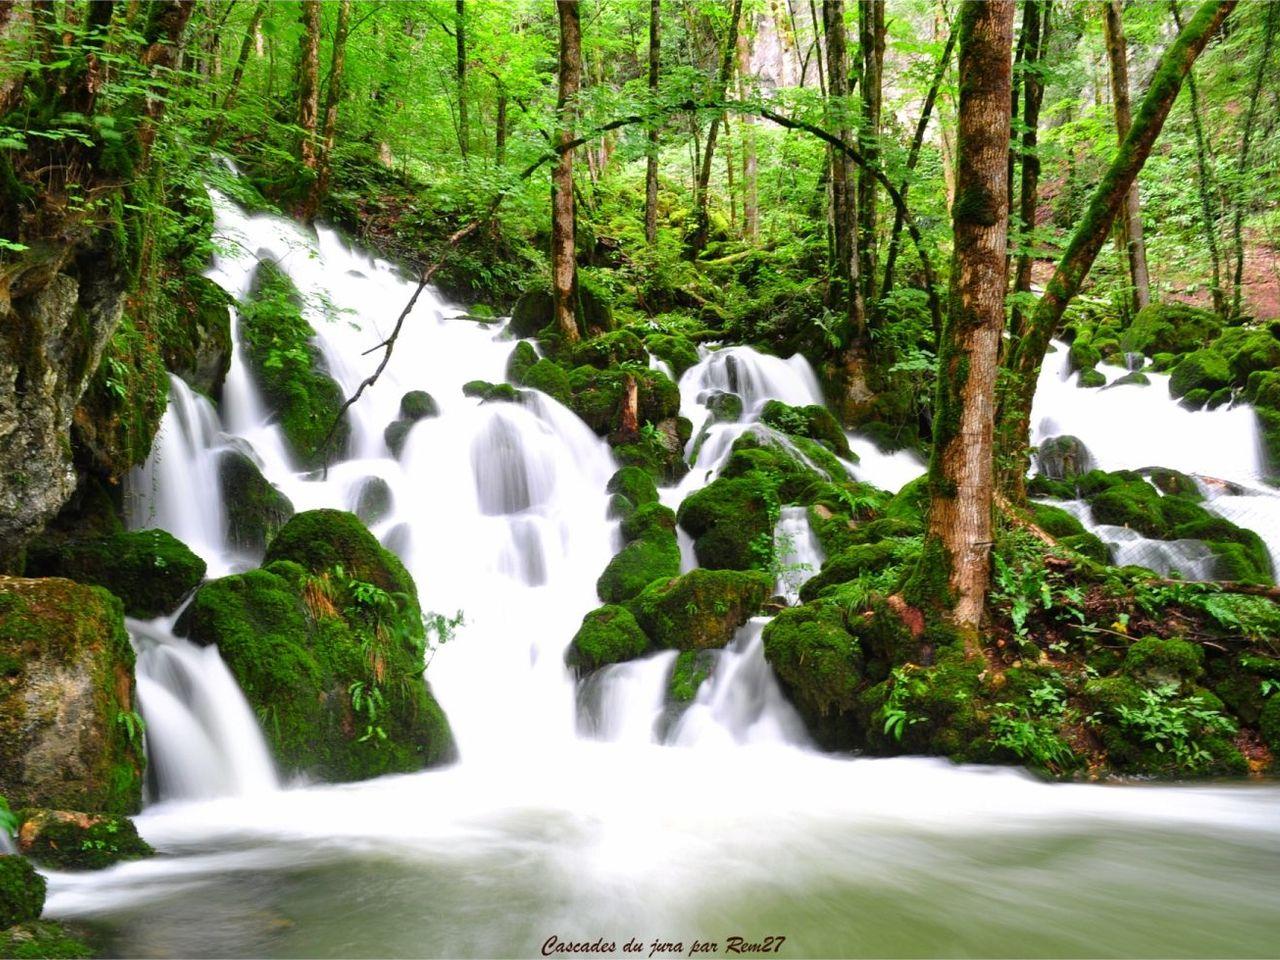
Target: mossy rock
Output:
[(801, 469), (724, 407), (820, 665), (731, 522), (1063, 457), (22, 891), (911, 502), (608, 634), (67, 685), (1171, 481), (43, 940), (700, 610), (1135, 378), (419, 405), (610, 350), (1155, 660), (1201, 370), (533, 311), (813, 422), (1055, 521), (550, 378), (649, 521), (522, 358), (639, 563), (1248, 351), (598, 396), (198, 347), (857, 560), (1088, 545), (941, 707), (149, 570), (679, 353), (1269, 724), (491, 392), (691, 668), (396, 435), (373, 500), (1173, 328), (1263, 389), (1083, 355), (635, 484), (256, 509), (1091, 379), (289, 369), (66, 840)]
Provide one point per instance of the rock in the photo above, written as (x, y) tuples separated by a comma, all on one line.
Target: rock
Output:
[(608, 634), (255, 507), (731, 521), (1063, 457), (491, 392), (598, 395), (69, 732), (813, 422), (43, 939), (679, 353), (373, 500), (857, 560), (21, 891), (1169, 328), (1156, 660), (1134, 379), (327, 643), (820, 665), (396, 434), (533, 311), (55, 321), (610, 350), (1248, 351), (1055, 521), (651, 553), (199, 351), (1090, 379), (150, 570), (418, 405), (1200, 370), (691, 668), (1082, 355), (289, 369), (522, 358), (701, 609), (65, 840), (724, 407), (550, 378), (634, 484)]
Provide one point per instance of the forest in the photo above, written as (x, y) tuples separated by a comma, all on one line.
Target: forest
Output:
[(537, 477)]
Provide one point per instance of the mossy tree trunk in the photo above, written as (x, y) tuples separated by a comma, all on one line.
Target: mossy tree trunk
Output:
[(951, 580), (309, 82), (747, 128), (237, 74), (1036, 23), (332, 98), (871, 33), (460, 74), (1026, 355), (651, 159), (727, 56), (564, 272), (1135, 248), (845, 290)]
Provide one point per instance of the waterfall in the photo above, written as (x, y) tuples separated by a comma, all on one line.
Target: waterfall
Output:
[(202, 739), (799, 554)]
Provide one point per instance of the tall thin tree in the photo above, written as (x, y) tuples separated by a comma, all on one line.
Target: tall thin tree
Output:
[(651, 158), (1130, 225), (564, 272)]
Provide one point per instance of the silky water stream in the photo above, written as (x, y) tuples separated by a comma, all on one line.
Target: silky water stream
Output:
[(594, 813)]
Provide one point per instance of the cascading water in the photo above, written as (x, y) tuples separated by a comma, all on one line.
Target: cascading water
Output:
[(602, 809)]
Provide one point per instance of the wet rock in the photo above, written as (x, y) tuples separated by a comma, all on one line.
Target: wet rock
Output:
[(373, 500), (608, 634), (255, 507), (22, 891), (1063, 457), (701, 609), (418, 405), (66, 840)]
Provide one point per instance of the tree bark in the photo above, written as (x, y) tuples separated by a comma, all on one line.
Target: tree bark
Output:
[(844, 291), (460, 74), (953, 574), (337, 65), (871, 32), (1028, 353), (651, 158), (1131, 211), (162, 45), (500, 123), (564, 272), (728, 54), (309, 82), (913, 157), (237, 74), (747, 127), (1036, 22)]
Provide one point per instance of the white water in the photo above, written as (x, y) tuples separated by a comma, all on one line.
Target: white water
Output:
[(579, 822)]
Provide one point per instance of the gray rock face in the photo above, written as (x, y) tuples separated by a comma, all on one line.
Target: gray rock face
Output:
[(55, 318), (1063, 458)]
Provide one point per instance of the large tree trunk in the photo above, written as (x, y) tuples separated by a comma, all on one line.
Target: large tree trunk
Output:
[(1036, 24), (954, 571), (460, 74), (309, 82), (1028, 353), (651, 159), (564, 272), (747, 126), (237, 75), (728, 54), (1131, 211), (332, 98), (913, 157), (845, 291), (871, 32)]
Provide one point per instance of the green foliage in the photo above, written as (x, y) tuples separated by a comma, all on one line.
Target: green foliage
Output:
[(1175, 725)]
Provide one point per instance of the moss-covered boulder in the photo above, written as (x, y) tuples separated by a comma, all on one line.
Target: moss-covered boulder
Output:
[(610, 350), (1169, 328), (289, 369), (1200, 370), (731, 522), (396, 435), (701, 609), (814, 422), (1164, 660), (22, 891), (650, 553), (150, 570), (550, 378), (522, 358), (857, 560), (1063, 458), (372, 500), (820, 665), (67, 840), (491, 392), (533, 311), (1091, 378), (676, 351), (691, 668), (598, 396), (635, 484), (44, 940), (419, 405), (1247, 351), (198, 348), (327, 641), (608, 634), (255, 507), (69, 732)]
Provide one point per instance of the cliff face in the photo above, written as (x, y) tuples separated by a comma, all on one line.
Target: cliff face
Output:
[(59, 305)]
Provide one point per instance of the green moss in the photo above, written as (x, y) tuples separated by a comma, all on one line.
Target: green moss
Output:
[(43, 940), (419, 405), (813, 422), (691, 668), (255, 508), (651, 520), (678, 352), (150, 570), (610, 350), (522, 358), (1083, 355), (21, 891), (1055, 521), (635, 484), (1201, 370), (701, 609), (1248, 351), (598, 396), (728, 520), (1269, 724), (1091, 379), (857, 560), (1173, 328), (1063, 457), (608, 634), (373, 500), (639, 563), (491, 392), (550, 378), (1088, 545), (533, 311), (818, 661), (79, 841), (1164, 659), (911, 503), (289, 369)]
